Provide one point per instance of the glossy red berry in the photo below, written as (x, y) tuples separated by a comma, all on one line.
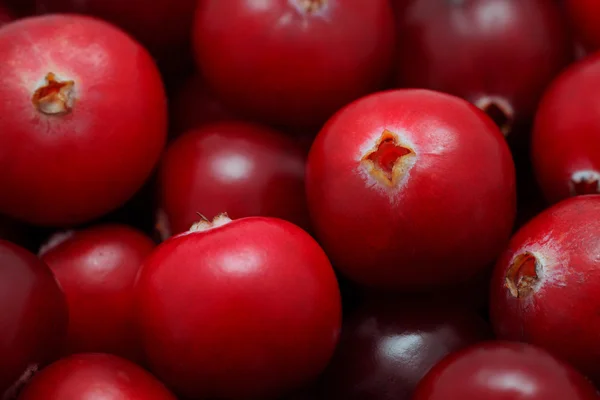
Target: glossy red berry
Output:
[(565, 142), (585, 20), (503, 371), (97, 268), (293, 62), (411, 189), (33, 314), (546, 286), (234, 167), (243, 309), (387, 347), (95, 376), (83, 118), (498, 54)]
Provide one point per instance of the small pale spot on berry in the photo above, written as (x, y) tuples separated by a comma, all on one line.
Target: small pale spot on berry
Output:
[(585, 182), (522, 275)]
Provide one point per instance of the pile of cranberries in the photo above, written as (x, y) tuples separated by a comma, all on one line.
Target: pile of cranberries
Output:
[(299, 200)]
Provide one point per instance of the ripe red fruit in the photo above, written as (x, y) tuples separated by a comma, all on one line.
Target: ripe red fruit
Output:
[(565, 142), (95, 376), (240, 309), (498, 54), (293, 62), (585, 19), (33, 313), (234, 167), (96, 268), (83, 118), (386, 348), (411, 189), (537, 293), (501, 371)]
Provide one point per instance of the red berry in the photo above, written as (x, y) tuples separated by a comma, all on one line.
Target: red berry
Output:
[(386, 348), (33, 314), (95, 376), (411, 189), (498, 54), (83, 118), (585, 20), (239, 310), (546, 286), (503, 371), (234, 167), (96, 268), (293, 62), (565, 142)]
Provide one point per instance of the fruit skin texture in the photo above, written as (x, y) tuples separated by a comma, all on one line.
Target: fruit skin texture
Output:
[(441, 220), (72, 167), (278, 63), (387, 347), (547, 303), (97, 268), (585, 19), (94, 376), (235, 167), (478, 49), (33, 313), (503, 371), (254, 301), (565, 145)]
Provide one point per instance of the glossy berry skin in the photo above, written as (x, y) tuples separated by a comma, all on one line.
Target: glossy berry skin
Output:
[(565, 145), (33, 313), (537, 295), (97, 268), (254, 301), (504, 371), (293, 62), (584, 16), (387, 347), (95, 376), (392, 176), (83, 120), (498, 54), (234, 167)]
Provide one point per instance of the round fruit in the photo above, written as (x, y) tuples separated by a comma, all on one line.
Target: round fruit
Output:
[(546, 286), (501, 371), (387, 347), (411, 189), (234, 167), (33, 314), (293, 62), (585, 20), (95, 376), (498, 54), (97, 268), (565, 142), (243, 309), (83, 118)]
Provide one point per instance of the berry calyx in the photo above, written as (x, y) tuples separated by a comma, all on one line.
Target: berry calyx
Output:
[(522, 275), (390, 160), (54, 97)]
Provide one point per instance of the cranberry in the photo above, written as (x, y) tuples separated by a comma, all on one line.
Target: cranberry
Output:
[(83, 118), (194, 106), (386, 348), (537, 295), (95, 376), (585, 19), (498, 54), (96, 268), (240, 168), (502, 371), (293, 62), (411, 189), (240, 309), (33, 313), (565, 142)]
